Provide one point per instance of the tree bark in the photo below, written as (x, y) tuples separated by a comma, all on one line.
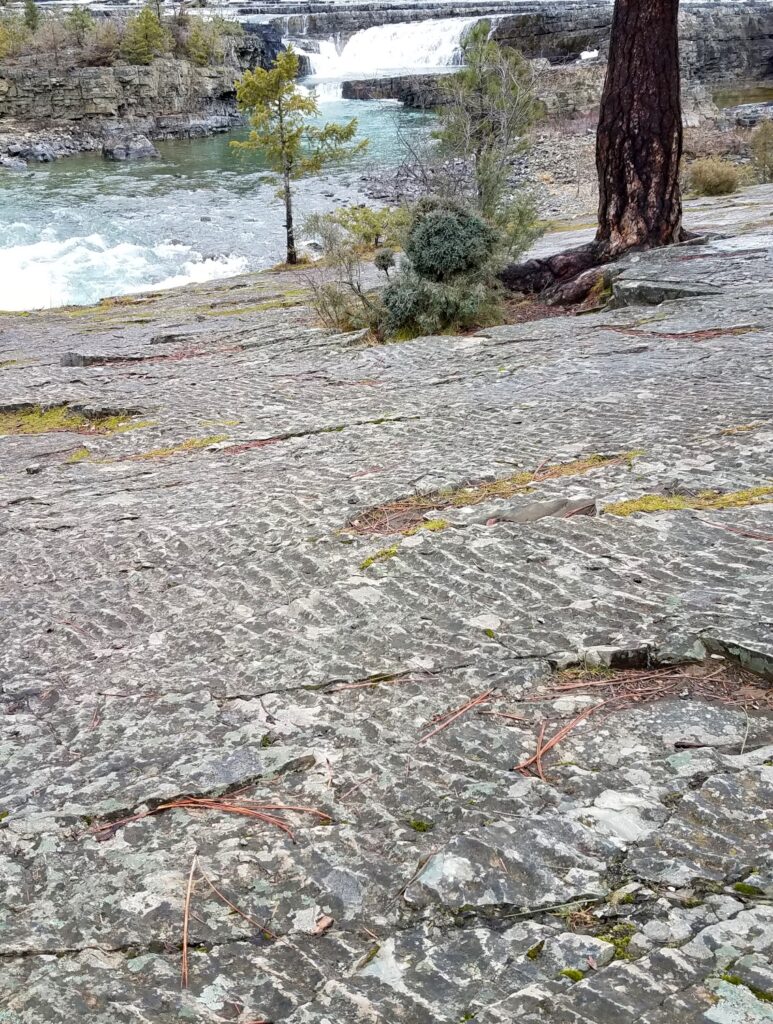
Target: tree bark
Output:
[(639, 140), (292, 255), (638, 151)]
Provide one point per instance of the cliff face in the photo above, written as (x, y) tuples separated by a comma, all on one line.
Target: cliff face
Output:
[(731, 41), (556, 31), (727, 43), (168, 97), (167, 87)]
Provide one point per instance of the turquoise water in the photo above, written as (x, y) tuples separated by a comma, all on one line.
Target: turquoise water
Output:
[(84, 228)]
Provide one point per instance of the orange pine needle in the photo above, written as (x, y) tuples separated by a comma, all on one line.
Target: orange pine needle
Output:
[(446, 720), (538, 755), (556, 738), (246, 807), (237, 910)]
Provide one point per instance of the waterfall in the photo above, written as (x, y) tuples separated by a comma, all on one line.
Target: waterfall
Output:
[(405, 46)]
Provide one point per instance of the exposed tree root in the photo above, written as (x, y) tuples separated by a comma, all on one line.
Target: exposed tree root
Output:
[(563, 279)]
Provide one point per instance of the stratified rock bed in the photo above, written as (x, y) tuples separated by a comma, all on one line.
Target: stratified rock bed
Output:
[(190, 609)]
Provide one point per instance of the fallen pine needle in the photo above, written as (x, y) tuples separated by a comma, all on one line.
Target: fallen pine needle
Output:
[(505, 714), (447, 719), (186, 919), (404, 677), (248, 808), (611, 680), (237, 910), (753, 534), (538, 755), (542, 749)]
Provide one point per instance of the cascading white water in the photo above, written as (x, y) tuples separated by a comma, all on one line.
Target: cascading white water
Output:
[(405, 46)]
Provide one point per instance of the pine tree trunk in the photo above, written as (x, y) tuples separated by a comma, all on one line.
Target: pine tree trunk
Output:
[(639, 141), (292, 255), (638, 149)]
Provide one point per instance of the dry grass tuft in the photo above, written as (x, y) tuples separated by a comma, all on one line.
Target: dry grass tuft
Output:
[(405, 515)]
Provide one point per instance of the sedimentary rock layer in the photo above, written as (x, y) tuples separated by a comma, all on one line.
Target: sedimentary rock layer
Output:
[(207, 589)]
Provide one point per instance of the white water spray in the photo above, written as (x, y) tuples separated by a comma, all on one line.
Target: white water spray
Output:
[(405, 46)]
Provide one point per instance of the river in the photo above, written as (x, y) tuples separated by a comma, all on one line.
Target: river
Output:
[(83, 228)]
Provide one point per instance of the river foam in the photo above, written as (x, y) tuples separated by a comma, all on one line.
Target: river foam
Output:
[(60, 272)]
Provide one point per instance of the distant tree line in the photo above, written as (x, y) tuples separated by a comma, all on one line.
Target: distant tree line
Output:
[(78, 38)]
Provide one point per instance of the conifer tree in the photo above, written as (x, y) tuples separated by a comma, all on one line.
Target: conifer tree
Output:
[(145, 38), (282, 131), (31, 15)]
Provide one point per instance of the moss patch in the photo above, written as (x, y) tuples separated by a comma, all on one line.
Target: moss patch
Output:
[(620, 937), (35, 419), (421, 826), (370, 955), (192, 444), (706, 500), (572, 973), (759, 993), (258, 307), (406, 514), (380, 556), (742, 428), (79, 455), (433, 525), (536, 951), (748, 890)]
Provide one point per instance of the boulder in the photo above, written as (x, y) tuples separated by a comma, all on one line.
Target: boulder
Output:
[(13, 163), (748, 115), (129, 147)]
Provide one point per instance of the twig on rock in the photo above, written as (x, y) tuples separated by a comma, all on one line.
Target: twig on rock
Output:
[(504, 714), (542, 749), (237, 910)]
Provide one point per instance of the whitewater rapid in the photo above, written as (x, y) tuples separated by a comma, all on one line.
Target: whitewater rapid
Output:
[(83, 269)]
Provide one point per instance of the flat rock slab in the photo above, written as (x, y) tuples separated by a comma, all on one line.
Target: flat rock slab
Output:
[(523, 866), (190, 608)]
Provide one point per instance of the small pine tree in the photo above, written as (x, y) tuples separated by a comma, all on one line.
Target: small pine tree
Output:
[(446, 279), (280, 116), (488, 109), (79, 24), (14, 34), (145, 38), (200, 43), (31, 15)]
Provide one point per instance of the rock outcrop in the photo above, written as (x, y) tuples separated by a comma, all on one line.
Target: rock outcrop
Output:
[(563, 90), (719, 40), (169, 98), (193, 606)]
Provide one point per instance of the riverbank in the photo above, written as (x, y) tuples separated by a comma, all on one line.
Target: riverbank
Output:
[(55, 108), (75, 230)]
